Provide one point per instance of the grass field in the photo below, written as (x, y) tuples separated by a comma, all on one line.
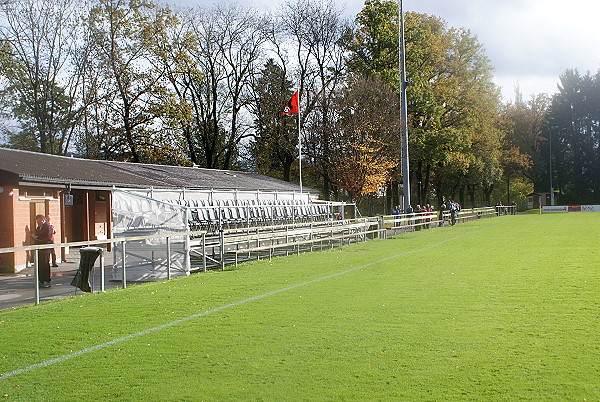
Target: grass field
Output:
[(499, 309)]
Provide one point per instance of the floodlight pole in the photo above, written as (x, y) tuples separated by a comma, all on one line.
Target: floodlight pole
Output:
[(551, 183), (404, 119)]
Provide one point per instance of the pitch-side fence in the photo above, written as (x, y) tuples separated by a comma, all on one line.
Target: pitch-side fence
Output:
[(424, 220), (231, 246)]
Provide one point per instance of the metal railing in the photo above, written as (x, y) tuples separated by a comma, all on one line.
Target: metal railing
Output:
[(196, 243), (425, 220), (469, 214), (506, 210), (229, 241), (36, 251)]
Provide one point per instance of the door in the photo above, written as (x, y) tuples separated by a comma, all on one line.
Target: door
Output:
[(36, 208)]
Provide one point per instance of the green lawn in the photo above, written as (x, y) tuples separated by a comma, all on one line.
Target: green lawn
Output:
[(499, 309)]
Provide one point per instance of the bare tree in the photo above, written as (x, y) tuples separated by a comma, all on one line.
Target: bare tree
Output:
[(38, 40), (229, 46), (316, 30)]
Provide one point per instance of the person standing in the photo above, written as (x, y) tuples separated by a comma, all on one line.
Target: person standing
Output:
[(454, 208), (43, 235), (409, 213), (429, 209), (52, 252), (499, 208)]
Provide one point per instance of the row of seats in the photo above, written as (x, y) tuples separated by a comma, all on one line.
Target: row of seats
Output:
[(209, 215)]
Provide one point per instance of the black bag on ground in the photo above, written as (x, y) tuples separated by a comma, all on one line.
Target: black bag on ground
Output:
[(86, 263)]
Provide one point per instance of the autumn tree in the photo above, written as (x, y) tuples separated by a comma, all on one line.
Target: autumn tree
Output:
[(173, 50), (454, 107), (452, 101), (373, 42), (373, 51), (524, 143), (365, 146), (119, 33)]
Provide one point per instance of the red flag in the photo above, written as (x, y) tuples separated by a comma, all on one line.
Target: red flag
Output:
[(292, 105)]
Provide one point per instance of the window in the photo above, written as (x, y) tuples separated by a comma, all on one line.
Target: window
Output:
[(38, 192)]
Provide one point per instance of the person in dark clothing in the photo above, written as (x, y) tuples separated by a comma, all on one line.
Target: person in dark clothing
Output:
[(52, 252), (454, 209), (43, 235)]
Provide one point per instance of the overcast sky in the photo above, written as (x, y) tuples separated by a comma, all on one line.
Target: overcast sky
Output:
[(529, 42)]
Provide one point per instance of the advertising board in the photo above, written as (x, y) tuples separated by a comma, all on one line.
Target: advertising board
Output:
[(555, 209), (571, 208)]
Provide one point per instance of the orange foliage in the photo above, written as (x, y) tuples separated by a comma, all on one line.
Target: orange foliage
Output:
[(363, 168)]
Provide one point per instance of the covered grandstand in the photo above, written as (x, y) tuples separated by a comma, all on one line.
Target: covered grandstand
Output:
[(212, 212)]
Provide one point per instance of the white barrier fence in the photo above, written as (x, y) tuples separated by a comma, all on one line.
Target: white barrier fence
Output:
[(425, 220)]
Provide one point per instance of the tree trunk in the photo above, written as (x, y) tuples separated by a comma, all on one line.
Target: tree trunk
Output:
[(129, 132), (389, 197), (419, 176), (487, 191), (426, 184), (326, 187), (471, 189), (187, 133), (287, 168)]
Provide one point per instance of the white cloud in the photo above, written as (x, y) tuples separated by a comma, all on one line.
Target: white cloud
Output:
[(529, 42), (528, 85)]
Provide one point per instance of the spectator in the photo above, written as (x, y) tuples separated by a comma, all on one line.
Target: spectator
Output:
[(52, 252), (409, 213), (429, 211), (43, 235), (454, 209)]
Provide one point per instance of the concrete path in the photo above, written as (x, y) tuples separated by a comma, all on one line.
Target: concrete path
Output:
[(18, 289)]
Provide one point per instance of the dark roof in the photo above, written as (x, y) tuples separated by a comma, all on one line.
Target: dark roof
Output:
[(24, 166)]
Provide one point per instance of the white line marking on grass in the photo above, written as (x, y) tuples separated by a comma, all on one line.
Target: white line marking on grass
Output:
[(214, 310)]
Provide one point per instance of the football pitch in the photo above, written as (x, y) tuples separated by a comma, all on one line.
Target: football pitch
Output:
[(506, 308)]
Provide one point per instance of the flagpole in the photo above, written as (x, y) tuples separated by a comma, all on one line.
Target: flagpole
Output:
[(299, 145)]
